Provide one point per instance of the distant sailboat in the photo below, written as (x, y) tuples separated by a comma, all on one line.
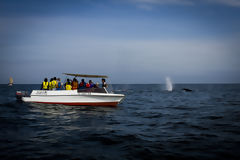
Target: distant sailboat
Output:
[(10, 81)]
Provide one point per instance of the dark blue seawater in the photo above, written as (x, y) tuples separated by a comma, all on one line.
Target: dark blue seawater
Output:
[(150, 124)]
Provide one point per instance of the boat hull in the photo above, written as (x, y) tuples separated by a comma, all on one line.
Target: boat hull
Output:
[(113, 104), (73, 97)]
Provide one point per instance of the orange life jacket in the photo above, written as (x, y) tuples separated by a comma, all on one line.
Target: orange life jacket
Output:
[(74, 85), (87, 85)]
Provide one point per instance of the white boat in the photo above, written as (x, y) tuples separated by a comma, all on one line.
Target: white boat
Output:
[(84, 97)]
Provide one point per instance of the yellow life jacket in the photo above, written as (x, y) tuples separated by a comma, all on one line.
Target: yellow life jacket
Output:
[(68, 87), (50, 85), (54, 84), (45, 85)]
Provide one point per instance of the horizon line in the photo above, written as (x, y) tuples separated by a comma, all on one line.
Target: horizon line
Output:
[(139, 83)]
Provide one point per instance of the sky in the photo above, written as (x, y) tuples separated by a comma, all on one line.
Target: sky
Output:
[(131, 41)]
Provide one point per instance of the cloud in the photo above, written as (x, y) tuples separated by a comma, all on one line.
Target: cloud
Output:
[(145, 7), (162, 2), (234, 3), (149, 4)]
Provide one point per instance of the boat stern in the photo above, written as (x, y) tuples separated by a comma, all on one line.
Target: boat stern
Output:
[(21, 94)]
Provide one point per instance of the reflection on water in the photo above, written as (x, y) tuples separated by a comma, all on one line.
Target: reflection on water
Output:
[(67, 116)]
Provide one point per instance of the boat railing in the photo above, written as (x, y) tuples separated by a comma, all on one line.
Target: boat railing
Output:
[(95, 90)]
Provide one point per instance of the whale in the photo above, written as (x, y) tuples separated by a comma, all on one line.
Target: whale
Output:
[(187, 90)]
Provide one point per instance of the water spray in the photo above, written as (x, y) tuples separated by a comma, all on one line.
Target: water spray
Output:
[(169, 86)]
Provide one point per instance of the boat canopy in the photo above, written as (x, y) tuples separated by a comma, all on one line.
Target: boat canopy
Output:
[(86, 75)]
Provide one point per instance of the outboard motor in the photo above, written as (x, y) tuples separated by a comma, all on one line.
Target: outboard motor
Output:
[(20, 94)]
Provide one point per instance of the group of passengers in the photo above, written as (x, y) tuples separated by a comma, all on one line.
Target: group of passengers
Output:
[(53, 84), (56, 84)]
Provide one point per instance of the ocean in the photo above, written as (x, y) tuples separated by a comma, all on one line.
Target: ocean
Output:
[(151, 123)]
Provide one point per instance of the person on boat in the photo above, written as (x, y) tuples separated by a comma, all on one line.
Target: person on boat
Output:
[(68, 85), (50, 84), (54, 83), (90, 84), (104, 84), (45, 84), (96, 85), (87, 85), (59, 84), (82, 85), (74, 84)]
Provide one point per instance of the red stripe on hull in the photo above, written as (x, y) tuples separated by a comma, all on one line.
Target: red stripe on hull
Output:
[(112, 104)]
